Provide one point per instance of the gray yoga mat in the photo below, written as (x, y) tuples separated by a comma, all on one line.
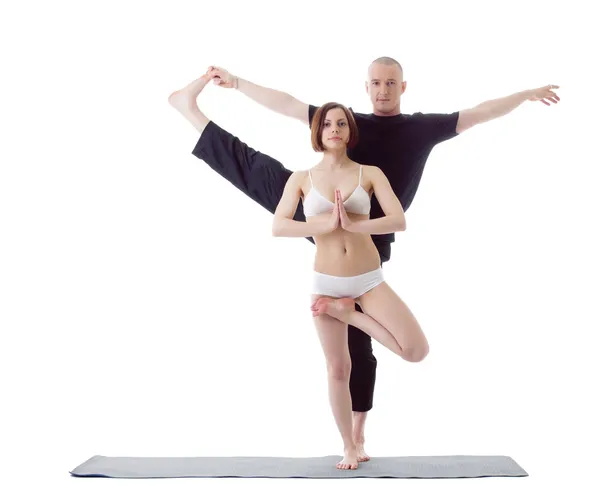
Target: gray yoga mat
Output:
[(424, 467)]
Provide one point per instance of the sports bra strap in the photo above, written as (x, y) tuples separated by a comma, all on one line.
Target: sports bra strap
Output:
[(310, 176)]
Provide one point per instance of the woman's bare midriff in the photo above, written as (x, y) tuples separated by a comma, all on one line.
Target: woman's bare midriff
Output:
[(343, 253)]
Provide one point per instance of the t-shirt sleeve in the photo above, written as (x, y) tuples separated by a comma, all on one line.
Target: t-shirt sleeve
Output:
[(439, 127), (311, 113)]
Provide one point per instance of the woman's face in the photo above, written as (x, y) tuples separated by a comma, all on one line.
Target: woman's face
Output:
[(336, 131)]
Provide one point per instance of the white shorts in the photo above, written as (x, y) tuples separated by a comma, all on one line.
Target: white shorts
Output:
[(346, 286)]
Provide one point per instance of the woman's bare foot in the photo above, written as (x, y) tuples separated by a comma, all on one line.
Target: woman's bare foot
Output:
[(350, 460), (339, 309)]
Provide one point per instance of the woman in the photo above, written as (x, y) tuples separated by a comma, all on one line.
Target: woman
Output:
[(336, 196)]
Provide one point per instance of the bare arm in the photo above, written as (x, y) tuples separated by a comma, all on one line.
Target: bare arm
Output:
[(493, 109), (277, 101), (394, 219), (284, 224)]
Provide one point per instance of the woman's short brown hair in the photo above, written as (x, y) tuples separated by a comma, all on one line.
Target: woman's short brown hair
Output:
[(316, 126)]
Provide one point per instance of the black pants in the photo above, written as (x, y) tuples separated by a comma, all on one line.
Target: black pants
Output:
[(263, 179)]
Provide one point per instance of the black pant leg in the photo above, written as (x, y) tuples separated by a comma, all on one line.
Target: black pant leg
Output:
[(257, 175), (364, 363)]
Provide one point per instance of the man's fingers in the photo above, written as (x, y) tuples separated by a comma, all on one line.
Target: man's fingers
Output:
[(215, 70)]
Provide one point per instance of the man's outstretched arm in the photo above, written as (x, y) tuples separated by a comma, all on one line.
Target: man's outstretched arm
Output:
[(493, 109), (277, 101)]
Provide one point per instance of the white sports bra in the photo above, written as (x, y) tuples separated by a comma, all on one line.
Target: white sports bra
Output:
[(358, 203)]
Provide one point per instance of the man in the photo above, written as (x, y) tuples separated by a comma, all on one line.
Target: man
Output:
[(397, 143)]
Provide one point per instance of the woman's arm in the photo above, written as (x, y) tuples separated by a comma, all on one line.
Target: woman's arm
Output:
[(394, 220), (284, 224)]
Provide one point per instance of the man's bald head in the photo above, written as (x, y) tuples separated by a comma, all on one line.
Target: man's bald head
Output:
[(385, 60), (385, 84)]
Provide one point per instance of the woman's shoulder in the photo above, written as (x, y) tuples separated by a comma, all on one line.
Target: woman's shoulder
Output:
[(370, 170), (300, 174), (299, 178)]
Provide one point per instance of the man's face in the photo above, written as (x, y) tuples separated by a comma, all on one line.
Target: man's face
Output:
[(385, 86)]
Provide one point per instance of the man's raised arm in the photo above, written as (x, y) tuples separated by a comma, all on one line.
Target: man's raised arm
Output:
[(493, 109), (277, 101)]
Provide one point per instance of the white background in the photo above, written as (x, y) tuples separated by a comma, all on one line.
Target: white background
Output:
[(146, 310)]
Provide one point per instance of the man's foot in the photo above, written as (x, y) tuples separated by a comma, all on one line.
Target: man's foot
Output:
[(185, 99), (339, 309), (350, 460), (358, 434), (361, 454)]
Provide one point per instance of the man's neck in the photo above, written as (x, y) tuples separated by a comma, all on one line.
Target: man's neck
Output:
[(393, 113)]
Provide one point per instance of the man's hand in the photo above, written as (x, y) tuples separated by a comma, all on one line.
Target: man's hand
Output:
[(544, 94), (222, 77)]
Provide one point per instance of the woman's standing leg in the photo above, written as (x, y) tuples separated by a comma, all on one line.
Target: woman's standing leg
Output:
[(334, 341)]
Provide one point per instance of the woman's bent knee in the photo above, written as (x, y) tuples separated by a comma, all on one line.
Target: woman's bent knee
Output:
[(415, 354)]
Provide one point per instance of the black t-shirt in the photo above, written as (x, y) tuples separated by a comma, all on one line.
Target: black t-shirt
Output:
[(399, 145)]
